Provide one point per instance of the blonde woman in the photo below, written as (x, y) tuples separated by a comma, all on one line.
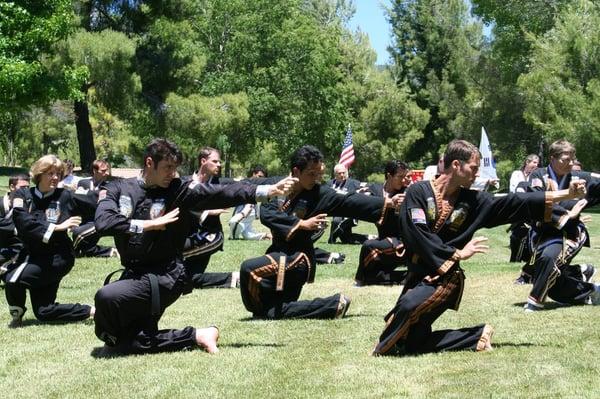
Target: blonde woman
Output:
[(42, 216)]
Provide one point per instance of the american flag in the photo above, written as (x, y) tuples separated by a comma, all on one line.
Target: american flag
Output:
[(347, 155)]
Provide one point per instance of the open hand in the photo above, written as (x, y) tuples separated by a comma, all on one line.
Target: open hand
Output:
[(475, 246), (160, 223), (283, 187)]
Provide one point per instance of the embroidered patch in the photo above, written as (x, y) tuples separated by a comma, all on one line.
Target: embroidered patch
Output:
[(81, 190), (458, 216), (431, 208), (53, 212), (537, 182), (158, 208), (418, 216), (300, 209), (18, 203), (125, 205), (102, 195)]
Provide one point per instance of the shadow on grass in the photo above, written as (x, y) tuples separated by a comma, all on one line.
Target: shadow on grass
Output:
[(348, 316), (516, 345), (35, 322), (107, 352), (250, 345), (549, 305)]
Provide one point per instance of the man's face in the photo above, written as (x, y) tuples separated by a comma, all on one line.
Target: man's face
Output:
[(340, 173), (211, 165), (310, 176), (468, 171), (400, 180), (163, 174), (20, 184), (258, 173), (102, 173), (562, 164), (49, 179)]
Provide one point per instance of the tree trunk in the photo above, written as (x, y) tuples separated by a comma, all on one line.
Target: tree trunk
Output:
[(85, 137)]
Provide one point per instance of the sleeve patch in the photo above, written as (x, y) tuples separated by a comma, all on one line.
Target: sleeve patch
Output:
[(81, 190), (537, 182), (418, 216), (18, 203)]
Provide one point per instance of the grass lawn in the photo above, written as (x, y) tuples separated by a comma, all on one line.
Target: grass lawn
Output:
[(553, 353)]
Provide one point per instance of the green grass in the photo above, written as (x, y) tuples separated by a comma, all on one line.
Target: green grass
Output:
[(546, 354)]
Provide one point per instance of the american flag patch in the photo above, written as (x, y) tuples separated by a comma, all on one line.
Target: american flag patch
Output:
[(418, 216), (537, 183)]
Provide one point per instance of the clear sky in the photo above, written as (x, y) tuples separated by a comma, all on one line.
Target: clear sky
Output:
[(370, 18)]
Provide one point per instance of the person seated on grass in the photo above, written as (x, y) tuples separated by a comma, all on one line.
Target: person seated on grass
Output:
[(42, 216), (438, 220), (554, 247), (240, 224), (149, 218), (379, 258), (10, 245), (271, 285)]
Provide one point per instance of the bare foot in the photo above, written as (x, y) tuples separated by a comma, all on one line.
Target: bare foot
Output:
[(207, 338)]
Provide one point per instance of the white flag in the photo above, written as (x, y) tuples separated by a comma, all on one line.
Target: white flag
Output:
[(487, 169)]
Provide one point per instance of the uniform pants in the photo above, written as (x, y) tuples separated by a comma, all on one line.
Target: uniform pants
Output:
[(124, 317), (42, 280), (555, 278), (378, 261), (258, 278), (342, 228), (196, 264), (85, 242), (409, 324)]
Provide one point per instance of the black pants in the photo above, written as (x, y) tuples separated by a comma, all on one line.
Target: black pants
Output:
[(409, 324), (378, 261), (342, 228), (124, 317), (554, 277), (42, 277), (258, 277), (197, 256), (85, 242), (519, 243)]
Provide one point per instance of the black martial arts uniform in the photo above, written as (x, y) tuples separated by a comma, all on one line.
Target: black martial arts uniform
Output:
[(258, 276), (432, 233), (128, 310), (85, 237), (47, 255), (341, 227), (380, 257), (10, 245), (206, 238), (555, 247)]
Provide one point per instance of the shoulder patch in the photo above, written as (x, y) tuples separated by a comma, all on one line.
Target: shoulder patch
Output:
[(81, 190), (18, 203), (537, 182), (418, 216)]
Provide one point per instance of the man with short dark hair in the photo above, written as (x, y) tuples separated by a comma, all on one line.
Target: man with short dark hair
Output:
[(438, 221), (143, 215), (10, 245), (380, 257), (271, 284)]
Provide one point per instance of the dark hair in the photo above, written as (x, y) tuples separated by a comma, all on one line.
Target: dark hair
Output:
[(160, 149), (392, 167), (96, 164), (255, 169), (205, 152), (530, 158), (68, 164), (303, 155), (560, 147), (460, 150), (14, 179)]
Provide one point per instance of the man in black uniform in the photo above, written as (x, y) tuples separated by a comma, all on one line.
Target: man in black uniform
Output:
[(380, 257), (438, 220), (143, 216), (271, 285), (342, 227), (10, 245), (556, 246), (206, 236), (85, 238)]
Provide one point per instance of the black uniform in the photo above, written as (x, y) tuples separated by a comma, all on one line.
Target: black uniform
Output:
[(554, 248), (206, 238), (380, 257), (341, 227), (47, 255), (10, 245), (432, 233), (128, 310), (258, 276), (85, 237)]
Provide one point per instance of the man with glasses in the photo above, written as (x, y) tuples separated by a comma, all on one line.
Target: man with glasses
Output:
[(554, 247)]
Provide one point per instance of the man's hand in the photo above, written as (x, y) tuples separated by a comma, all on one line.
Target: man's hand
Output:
[(398, 199), (71, 222), (161, 222), (283, 187), (577, 188), (473, 247), (314, 223), (576, 210)]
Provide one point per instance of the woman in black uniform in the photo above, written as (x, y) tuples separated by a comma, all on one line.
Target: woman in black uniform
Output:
[(42, 216)]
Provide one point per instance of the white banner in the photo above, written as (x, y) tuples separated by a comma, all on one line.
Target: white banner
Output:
[(487, 169)]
